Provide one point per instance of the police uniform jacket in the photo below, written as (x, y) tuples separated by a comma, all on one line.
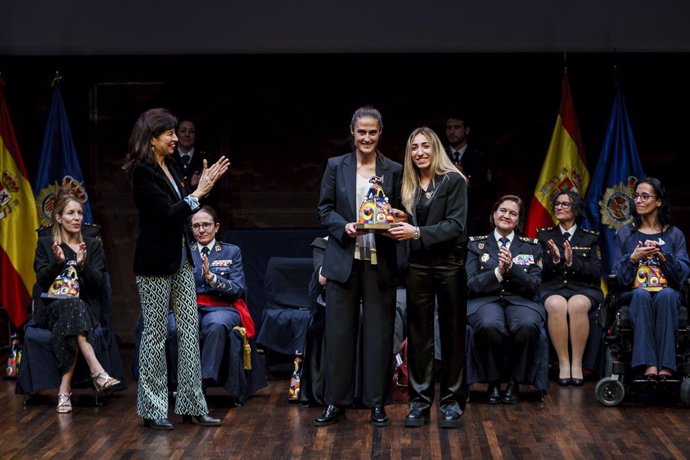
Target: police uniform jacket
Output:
[(520, 285), (225, 261), (584, 275), (163, 234), (338, 206)]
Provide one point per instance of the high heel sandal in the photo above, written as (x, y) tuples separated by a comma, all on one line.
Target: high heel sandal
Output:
[(64, 405), (102, 381)]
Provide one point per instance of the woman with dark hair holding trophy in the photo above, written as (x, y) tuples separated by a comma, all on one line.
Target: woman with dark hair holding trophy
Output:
[(361, 269)]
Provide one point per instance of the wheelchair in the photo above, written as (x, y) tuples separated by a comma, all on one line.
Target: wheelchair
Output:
[(619, 378)]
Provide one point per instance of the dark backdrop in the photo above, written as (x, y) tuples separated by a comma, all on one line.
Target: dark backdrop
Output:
[(279, 116)]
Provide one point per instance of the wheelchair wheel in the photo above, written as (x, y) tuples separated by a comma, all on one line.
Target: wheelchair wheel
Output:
[(610, 391), (685, 391)]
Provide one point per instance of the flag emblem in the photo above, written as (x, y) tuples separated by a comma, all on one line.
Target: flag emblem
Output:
[(45, 201), (615, 204)]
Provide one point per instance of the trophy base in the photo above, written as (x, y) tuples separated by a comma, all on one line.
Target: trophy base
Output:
[(376, 227)]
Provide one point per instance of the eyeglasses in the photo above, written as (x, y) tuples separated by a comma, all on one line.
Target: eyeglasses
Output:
[(562, 204), (642, 196), (204, 225)]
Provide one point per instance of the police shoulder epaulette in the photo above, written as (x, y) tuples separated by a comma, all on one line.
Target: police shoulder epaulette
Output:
[(528, 240), (591, 232), (545, 229), (193, 247), (478, 238)]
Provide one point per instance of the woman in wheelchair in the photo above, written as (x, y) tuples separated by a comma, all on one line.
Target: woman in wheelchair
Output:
[(503, 279), (652, 262), (69, 271), (570, 283)]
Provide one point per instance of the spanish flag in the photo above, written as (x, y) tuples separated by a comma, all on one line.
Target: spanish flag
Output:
[(18, 224), (564, 169)]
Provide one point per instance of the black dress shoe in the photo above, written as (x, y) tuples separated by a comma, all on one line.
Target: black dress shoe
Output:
[(331, 415), (203, 420), (577, 382), (494, 395), (565, 382), (450, 416), (378, 416), (417, 417), (511, 394), (158, 423)]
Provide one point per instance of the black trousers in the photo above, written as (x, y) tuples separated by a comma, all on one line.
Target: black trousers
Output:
[(506, 337), (432, 280), (342, 324)]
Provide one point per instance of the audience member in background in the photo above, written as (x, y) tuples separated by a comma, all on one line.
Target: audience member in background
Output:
[(69, 268), (190, 159), (503, 279), (652, 262), (434, 193), (361, 269), (571, 281), (220, 289), (312, 381), (163, 268), (476, 166)]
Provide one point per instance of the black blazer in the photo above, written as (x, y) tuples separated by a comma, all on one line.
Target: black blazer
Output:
[(446, 221), (520, 285), (585, 273), (47, 269), (163, 231), (337, 207)]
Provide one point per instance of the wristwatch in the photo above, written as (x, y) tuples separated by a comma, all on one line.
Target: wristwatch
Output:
[(415, 235)]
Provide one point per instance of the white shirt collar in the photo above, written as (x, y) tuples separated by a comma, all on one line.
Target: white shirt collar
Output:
[(209, 246), (571, 230), (190, 152), (498, 236)]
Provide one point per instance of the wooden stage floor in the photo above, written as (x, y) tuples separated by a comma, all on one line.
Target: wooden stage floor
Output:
[(568, 424)]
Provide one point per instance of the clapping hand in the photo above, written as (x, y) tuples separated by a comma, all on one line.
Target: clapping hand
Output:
[(206, 269), (211, 174), (555, 251), (505, 260), (59, 254), (81, 255), (568, 250)]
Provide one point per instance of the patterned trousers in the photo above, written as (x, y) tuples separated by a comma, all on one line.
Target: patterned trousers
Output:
[(156, 294)]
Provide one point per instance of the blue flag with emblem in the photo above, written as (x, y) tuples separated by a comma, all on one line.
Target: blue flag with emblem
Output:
[(59, 164), (609, 196)]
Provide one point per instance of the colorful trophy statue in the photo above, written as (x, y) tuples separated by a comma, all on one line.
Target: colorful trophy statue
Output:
[(375, 212)]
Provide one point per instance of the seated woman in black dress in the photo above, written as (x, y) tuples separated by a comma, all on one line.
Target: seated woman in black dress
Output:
[(570, 284), (69, 269)]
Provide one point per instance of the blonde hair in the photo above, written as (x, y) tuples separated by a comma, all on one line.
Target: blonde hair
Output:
[(440, 166), (62, 198)]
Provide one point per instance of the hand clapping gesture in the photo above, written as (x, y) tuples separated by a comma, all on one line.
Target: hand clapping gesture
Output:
[(206, 269), (505, 260), (81, 255), (59, 254), (211, 174)]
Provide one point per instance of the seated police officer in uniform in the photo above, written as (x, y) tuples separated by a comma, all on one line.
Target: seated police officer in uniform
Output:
[(570, 283), (220, 288), (503, 279)]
